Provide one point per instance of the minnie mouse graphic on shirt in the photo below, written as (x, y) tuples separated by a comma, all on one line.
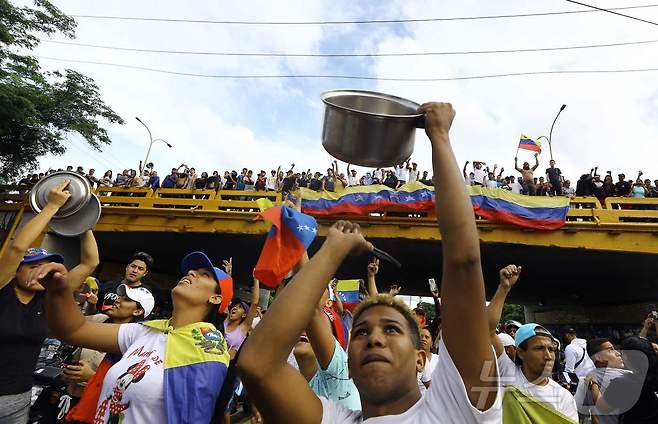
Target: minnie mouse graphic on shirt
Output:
[(132, 375)]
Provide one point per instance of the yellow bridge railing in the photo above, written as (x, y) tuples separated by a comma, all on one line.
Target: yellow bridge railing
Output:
[(583, 210)]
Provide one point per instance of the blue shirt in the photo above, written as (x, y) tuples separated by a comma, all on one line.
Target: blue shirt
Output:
[(239, 185), (154, 182), (169, 182), (335, 383)]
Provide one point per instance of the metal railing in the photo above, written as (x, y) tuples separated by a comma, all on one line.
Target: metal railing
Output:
[(583, 210)]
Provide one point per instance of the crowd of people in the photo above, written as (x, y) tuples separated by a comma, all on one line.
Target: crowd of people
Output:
[(306, 357), (551, 183)]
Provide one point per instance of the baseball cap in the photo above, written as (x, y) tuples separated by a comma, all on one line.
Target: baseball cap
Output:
[(506, 339), (196, 260), (139, 294), (36, 254), (528, 331)]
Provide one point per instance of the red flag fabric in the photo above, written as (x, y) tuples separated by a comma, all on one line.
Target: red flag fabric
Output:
[(290, 236)]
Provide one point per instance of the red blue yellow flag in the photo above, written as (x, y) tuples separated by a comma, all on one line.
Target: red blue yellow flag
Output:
[(495, 204), (527, 143), (291, 234)]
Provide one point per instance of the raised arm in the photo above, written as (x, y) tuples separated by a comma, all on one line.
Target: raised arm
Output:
[(464, 170), (13, 255), (646, 326), (536, 161), (373, 269), (64, 318), (516, 164), (321, 338), (89, 260), (508, 277), (253, 309), (462, 285), (262, 362)]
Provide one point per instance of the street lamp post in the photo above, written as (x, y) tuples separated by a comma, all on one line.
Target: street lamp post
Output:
[(151, 141), (550, 134)]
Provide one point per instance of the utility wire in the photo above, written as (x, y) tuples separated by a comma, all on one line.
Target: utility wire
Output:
[(614, 13), (345, 22), (354, 77), (447, 53)]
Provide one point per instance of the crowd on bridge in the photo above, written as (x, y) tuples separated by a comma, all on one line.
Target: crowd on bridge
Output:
[(551, 183), (304, 356)]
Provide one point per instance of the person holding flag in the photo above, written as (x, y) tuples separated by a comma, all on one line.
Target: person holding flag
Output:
[(527, 173)]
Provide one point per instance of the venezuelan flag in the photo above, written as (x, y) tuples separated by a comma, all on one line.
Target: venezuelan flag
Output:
[(543, 213), (348, 290), (195, 367), (291, 234), (527, 143)]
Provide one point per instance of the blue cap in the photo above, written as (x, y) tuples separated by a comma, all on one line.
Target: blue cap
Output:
[(196, 260), (528, 331), (36, 254)]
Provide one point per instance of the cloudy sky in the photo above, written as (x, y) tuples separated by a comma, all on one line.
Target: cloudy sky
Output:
[(221, 124)]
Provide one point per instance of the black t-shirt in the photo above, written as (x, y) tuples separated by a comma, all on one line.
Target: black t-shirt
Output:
[(200, 183), (623, 188), (302, 182), (288, 184), (328, 183), (554, 175), (23, 329), (584, 186), (391, 182), (212, 182), (315, 184)]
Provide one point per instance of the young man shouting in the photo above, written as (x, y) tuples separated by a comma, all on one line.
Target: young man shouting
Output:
[(384, 353)]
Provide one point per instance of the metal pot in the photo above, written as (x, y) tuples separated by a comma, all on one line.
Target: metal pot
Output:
[(369, 129), (80, 212)]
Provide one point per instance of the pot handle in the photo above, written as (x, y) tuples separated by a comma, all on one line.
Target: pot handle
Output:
[(420, 121)]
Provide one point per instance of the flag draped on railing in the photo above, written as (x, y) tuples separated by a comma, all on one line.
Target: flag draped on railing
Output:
[(538, 212)]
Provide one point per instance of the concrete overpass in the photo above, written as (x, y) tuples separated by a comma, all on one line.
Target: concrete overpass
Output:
[(605, 255)]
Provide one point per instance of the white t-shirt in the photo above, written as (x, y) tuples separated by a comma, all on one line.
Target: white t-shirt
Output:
[(552, 393), (516, 187), (352, 181), (379, 174), (573, 353), (402, 173), (492, 184), (133, 388), (271, 183), (446, 401), (480, 175), (413, 175), (426, 375)]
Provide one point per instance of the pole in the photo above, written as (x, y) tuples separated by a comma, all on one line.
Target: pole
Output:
[(148, 152), (550, 134)]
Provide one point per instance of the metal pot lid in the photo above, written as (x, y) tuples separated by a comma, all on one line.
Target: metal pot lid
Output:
[(81, 222), (371, 103), (79, 188)]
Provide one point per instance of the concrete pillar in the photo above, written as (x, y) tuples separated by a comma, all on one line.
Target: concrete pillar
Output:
[(529, 313)]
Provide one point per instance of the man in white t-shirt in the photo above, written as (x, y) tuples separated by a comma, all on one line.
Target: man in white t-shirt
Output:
[(352, 179), (535, 351), (480, 173), (425, 377), (402, 172), (576, 359), (414, 173), (384, 352)]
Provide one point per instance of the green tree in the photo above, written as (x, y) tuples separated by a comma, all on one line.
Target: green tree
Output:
[(513, 311), (429, 310), (38, 108)]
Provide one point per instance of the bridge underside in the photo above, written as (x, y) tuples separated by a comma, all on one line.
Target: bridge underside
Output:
[(552, 276)]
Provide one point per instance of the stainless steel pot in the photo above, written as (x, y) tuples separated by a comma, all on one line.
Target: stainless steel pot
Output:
[(80, 212), (369, 129)]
